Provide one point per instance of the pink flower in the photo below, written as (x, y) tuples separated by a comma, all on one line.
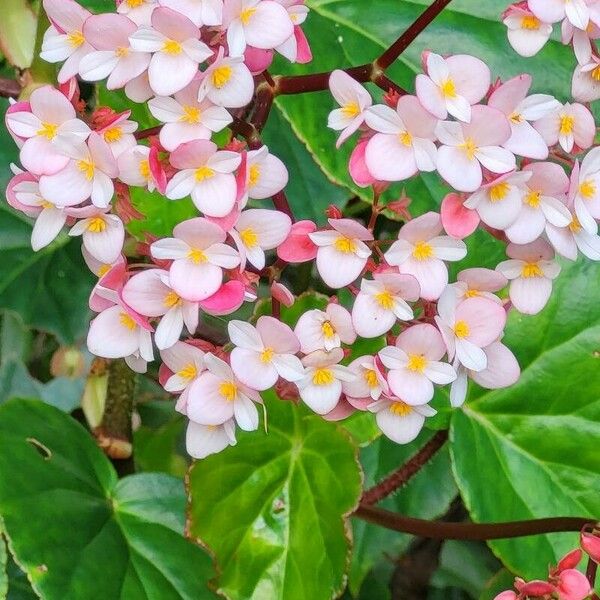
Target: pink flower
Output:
[(507, 595), (353, 99), (199, 257), (366, 385), (420, 252), (530, 271), (552, 11), (139, 166), (590, 542), (585, 86), (543, 202), (98, 267), (479, 282), (325, 330), (257, 230), (113, 56), (200, 12), (511, 98), (88, 174), (203, 440), (566, 241), (399, 421), (217, 396), (266, 174), (382, 301), (466, 148), (186, 118), (298, 247), (572, 585), (584, 192), (457, 219), (49, 127), (357, 166), (452, 85), (404, 142), (414, 364), (321, 386), (139, 11), (264, 353), (176, 50), (568, 125), (206, 174), (469, 326), (342, 253), (296, 48), (103, 236), (118, 133), (263, 24), (526, 33), (64, 39), (281, 293)]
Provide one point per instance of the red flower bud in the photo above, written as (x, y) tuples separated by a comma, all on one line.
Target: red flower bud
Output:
[(590, 542), (536, 588), (569, 561), (333, 212)]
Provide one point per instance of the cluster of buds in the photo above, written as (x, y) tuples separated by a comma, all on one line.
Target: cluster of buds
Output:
[(192, 62)]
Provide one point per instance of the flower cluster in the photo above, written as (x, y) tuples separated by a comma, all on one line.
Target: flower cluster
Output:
[(192, 63)]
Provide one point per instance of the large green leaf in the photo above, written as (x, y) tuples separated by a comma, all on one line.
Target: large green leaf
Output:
[(272, 508), (3, 573), (18, 24), (531, 451), (78, 531)]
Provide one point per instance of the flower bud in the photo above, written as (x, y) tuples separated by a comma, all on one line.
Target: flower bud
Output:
[(67, 362), (569, 561), (590, 542), (333, 212)]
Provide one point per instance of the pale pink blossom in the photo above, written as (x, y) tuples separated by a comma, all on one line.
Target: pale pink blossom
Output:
[(480, 282), (138, 89), (382, 301), (584, 191), (325, 330), (139, 11), (64, 39), (511, 98), (264, 353), (467, 147), (531, 269), (217, 396), (205, 174), (98, 267), (570, 125), (203, 440), (526, 33), (257, 230), (103, 236), (150, 294), (186, 118), (262, 24), (353, 99), (282, 294), (552, 11), (113, 56), (567, 241), (173, 40), (118, 133), (321, 386), (580, 39), (468, 326), (398, 420), (421, 251), (265, 175), (585, 86), (185, 362), (199, 257), (366, 387), (452, 85), (139, 166), (47, 127), (200, 12), (404, 143), (342, 252), (296, 48)]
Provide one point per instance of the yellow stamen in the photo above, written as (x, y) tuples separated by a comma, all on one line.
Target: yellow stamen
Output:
[(351, 110), (469, 148), (134, 3), (530, 22), (345, 245), (327, 329), (587, 189), (145, 168), (228, 390), (422, 251), (400, 409), (531, 269), (75, 38), (203, 173), (249, 237), (246, 15), (533, 198), (103, 270), (499, 191), (46, 204), (567, 123), (448, 89), (48, 130), (385, 300), (127, 321), (121, 51), (323, 376), (575, 225), (87, 167), (595, 74), (461, 329), (114, 134), (171, 300), (516, 118), (188, 372), (253, 175), (405, 138), (221, 75), (416, 363), (471, 293), (371, 378), (172, 47), (197, 256), (96, 225), (266, 356), (191, 115)]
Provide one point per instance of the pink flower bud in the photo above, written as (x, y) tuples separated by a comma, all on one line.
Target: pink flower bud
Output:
[(298, 247), (282, 294), (569, 561), (457, 220), (536, 588), (508, 595), (333, 212), (391, 98), (590, 542), (573, 585)]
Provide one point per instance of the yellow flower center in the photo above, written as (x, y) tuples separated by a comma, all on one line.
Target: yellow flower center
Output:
[(416, 363), (422, 251), (532, 198), (516, 118), (171, 300), (48, 130), (172, 47), (575, 225), (221, 75), (197, 256), (188, 372), (323, 376), (471, 293), (127, 321), (246, 15), (134, 3), (203, 173), (588, 189), (121, 51), (385, 300), (345, 245), (461, 329), (469, 148), (191, 115), (145, 168), (448, 89), (531, 269), (567, 123), (75, 38), (96, 225), (371, 378), (499, 191), (87, 167), (114, 134), (266, 356), (228, 390), (595, 74), (530, 22), (328, 329), (103, 270), (46, 204), (253, 175), (249, 237), (351, 110), (405, 138), (400, 409)]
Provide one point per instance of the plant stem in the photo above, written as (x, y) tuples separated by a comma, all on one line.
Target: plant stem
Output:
[(146, 133), (404, 473), (590, 572)]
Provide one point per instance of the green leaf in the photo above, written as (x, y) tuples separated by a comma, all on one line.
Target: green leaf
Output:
[(272, 508), (100, 537), (501, 581), (3, 572), (531, 451), (17, 32)]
